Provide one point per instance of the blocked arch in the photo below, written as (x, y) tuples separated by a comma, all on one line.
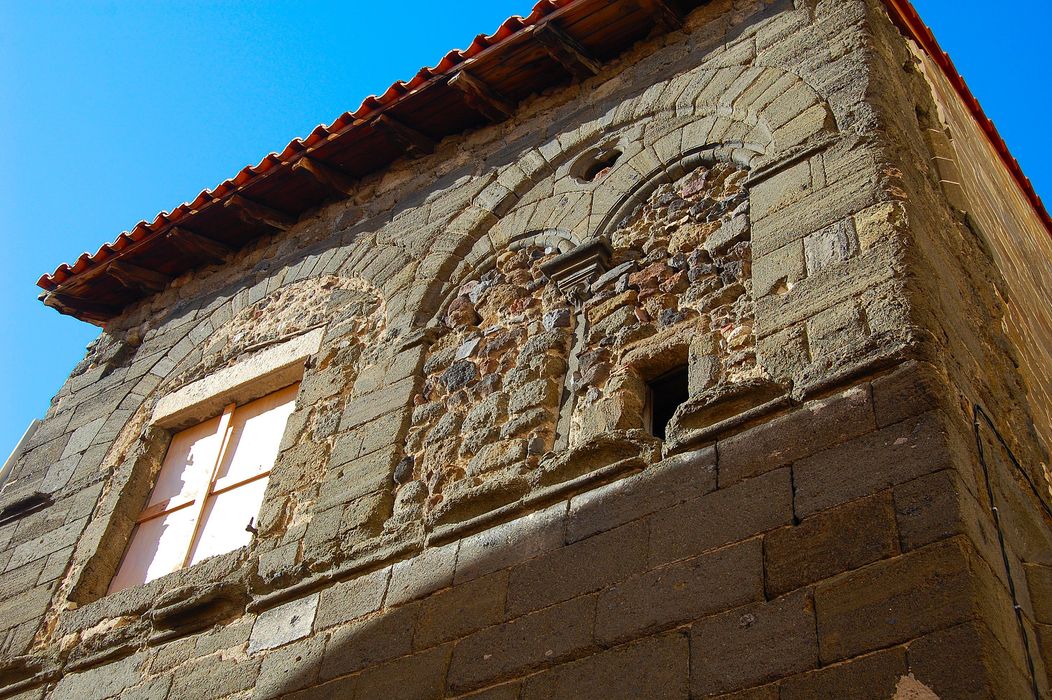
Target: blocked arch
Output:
[(775, 112), (483, 258), (739, 154), (136, 454)]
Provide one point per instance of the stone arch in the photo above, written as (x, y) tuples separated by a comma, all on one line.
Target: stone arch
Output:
[(765, 110), (678, 296), (487, 410), (483, 258), (351, 307), (740, 154)]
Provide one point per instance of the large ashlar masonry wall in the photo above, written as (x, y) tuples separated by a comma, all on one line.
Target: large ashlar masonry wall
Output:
[(784, 197)]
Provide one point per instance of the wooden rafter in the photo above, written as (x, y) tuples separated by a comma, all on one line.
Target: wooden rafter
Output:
[(252, 212), (136, 277), (566, 51), (326, 175), (405, 137), (81, 308), (482, 98), (667, 16), (196, 244)]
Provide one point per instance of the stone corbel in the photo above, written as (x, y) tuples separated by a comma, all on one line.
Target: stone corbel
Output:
[(188, 609), (575, 271)]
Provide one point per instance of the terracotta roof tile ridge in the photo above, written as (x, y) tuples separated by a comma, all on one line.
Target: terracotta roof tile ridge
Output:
[(369, 106)]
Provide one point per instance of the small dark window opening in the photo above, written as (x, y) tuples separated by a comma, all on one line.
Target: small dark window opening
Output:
[(601, 166), (664, 395), (594, 165)]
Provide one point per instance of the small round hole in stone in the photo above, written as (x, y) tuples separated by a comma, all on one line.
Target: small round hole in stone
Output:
[(594, 165)]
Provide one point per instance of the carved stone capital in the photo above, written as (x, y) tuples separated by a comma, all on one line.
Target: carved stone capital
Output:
[(573, 272)]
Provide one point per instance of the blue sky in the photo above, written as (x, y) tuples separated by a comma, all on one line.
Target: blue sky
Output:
[(114, 111)]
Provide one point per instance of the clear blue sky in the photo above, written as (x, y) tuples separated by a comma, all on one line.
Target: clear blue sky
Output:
[(114, 111)]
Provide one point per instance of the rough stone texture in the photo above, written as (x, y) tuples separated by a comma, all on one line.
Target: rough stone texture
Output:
[(466, 490)]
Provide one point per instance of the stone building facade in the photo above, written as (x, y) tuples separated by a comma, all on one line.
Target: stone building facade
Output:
[(719, 367)]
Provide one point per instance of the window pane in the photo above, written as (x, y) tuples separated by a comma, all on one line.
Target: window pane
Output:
[(256, 431), (188, 464), (225, 518), (157, 548)]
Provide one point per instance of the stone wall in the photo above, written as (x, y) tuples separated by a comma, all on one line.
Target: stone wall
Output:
[(467, 501)]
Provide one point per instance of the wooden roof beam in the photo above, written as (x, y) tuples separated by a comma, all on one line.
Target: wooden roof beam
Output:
[(333, 179), (405, 137), (80, 308), (566, 50), (252, 212), (135, 277), (667, 16), (198, 245), (482, 98)]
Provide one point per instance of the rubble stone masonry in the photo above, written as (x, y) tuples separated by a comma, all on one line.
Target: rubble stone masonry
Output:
[(785, 199)]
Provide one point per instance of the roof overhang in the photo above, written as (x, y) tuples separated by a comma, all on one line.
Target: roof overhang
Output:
[(560, 41)]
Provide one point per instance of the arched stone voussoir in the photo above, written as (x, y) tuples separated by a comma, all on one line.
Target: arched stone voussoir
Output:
[(782, 104), (442, 287)]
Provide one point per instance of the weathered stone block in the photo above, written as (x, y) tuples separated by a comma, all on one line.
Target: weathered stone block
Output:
[(511, 543), (351, 599), (779, 270), (966, 662), (831, 542), (835, 332), (576, 569), (1039, 581), (101, 681), (722, 517), (874, 676), (290, 668), (911, 389), (427, 572), (930, 509), (894, 601), (210, 678), (461, 610), (681, 592), (156, 687), (421, 675), (752, 645), (369, 641), (887, 457), (670, 482), (830, 245), (283, 624), (814, 426), (523, 644), (651, 668)]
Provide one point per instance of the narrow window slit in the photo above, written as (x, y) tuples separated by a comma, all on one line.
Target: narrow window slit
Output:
[(664, 395)]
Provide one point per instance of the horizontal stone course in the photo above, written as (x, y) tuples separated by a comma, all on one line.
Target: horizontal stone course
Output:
[(681, 592), (516, 647), (579, 568), (860, 467), (672, 481), (722, 517)]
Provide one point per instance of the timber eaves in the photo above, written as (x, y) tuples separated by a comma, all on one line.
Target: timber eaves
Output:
[(559, 41)]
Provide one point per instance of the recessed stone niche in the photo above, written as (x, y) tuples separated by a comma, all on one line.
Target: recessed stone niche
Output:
[(541, 366)]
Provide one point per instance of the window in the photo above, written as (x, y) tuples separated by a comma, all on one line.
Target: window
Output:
[(208, 491), (664, 396)]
